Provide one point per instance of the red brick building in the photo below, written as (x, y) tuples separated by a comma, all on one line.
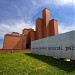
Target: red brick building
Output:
[(44, 28)]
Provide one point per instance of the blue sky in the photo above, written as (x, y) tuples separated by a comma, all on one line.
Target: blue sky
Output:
[(15, 15)]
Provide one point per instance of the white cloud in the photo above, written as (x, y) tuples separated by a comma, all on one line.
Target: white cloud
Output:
[(18, 27), (34, 2), (64, 29), (66, 2), (60, 2)]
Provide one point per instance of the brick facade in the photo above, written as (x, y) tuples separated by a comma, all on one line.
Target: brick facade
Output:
[(39, 28), (44, 28), (12, 41)]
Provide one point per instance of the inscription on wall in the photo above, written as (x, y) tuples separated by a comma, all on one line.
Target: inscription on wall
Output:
[(61, 46), (55, 48)]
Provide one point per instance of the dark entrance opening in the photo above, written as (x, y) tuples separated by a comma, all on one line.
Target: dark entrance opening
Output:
[(27, 46)]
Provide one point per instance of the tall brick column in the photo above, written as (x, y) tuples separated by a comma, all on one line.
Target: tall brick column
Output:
[(26, 32), (33, 35), (46, 19), (46, 16), (39, 29), (23, 41), (28, 37), (53, 27)]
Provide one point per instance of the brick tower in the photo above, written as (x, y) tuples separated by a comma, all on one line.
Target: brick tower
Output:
[(46, 19), (46, 16), (50, 27), (39, 28), (44, 28)]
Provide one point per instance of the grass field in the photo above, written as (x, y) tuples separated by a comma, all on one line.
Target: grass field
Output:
[(32, 64)]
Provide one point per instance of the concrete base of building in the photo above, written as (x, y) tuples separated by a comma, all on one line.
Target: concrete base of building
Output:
[(14, 50)]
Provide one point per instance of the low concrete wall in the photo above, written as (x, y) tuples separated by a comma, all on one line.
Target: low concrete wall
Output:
[(11, 51)]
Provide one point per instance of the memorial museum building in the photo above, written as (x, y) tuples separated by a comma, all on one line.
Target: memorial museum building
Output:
[(44, 28)]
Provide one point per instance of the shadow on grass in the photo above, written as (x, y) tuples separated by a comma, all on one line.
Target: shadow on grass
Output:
[(61, 64)]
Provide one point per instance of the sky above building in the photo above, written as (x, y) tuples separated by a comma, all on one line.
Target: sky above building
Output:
[(15, 15)]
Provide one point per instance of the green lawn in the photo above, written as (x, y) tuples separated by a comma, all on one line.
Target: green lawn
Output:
[(32, 64)]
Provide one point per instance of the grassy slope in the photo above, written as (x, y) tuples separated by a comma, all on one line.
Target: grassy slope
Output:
[(32, 64)]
